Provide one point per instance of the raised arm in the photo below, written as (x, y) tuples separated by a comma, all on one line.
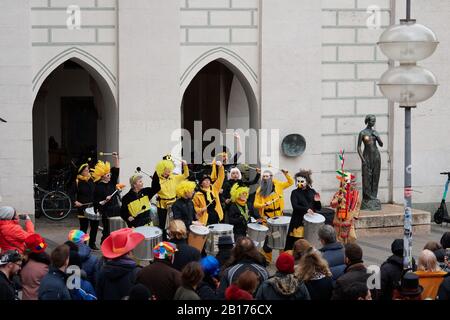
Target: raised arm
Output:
[(289, 179), (219, 182)]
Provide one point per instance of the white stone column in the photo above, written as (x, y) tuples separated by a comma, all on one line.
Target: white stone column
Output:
[(16, 144), (149, 110)]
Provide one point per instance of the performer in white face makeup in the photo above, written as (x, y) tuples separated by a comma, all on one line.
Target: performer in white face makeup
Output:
[(304, 199)]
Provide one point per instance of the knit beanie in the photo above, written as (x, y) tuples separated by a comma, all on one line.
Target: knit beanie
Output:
[(285, 263), (6, 213)]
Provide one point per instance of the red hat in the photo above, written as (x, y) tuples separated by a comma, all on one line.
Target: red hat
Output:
[(35, 243), (120, 242), (285, 263), (233, 292)]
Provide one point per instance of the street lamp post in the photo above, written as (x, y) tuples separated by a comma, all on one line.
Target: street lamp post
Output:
[(408, 84)]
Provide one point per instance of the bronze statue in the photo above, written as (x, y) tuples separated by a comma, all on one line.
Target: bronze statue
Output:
[(371, 164)]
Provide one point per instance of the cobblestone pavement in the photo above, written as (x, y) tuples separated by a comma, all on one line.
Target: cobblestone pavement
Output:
[(376, 248)]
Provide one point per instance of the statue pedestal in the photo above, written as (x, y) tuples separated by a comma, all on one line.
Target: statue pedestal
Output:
[(390, 220), (371, 205)]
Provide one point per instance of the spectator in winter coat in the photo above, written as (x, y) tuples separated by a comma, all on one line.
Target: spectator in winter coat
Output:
[(89, 262), (332, 251), (191, 276), (118, 274), (53, 285), (244, 256), (244, 288), (409, 289), (392, 270), (86, 290), (12, 236), (185, 253), (284, 285), (160, 277), (444, 290), (354, 272), (314, 272), (225, 245), (35, 268), (207, 288), (357, 291), (10, 264), (430, 274)]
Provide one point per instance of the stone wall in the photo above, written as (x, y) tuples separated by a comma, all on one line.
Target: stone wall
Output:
[(351, 67)]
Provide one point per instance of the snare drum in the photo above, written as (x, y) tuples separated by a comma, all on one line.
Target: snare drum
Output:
[(197, 236), (216, 231), (278, 231), (257, 232), (91, 214), (116, 223), (312, 224), (153, 236)]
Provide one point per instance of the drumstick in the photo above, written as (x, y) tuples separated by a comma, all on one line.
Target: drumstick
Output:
[(105, 153), (139, 170)]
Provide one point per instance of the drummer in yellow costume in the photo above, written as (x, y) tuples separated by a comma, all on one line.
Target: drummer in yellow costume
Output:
[(168, 183), (206, 200), (269, 200)]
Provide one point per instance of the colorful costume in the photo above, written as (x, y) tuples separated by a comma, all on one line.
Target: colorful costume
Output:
[(347, 203)]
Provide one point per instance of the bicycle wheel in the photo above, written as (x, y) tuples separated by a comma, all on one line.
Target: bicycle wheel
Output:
[(56, 205)]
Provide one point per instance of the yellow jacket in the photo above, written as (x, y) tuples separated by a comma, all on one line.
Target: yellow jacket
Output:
[(214, 192), (167, 194), (275, 208), (430, 281)]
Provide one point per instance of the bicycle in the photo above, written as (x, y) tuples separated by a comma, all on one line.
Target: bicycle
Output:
[(55, 205), (441, 214)]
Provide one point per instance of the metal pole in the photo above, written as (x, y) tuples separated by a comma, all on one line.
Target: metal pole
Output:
[(408, 10), (407, 238)]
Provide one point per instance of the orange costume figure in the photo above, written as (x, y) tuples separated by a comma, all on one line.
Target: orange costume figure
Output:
[(347, 203)]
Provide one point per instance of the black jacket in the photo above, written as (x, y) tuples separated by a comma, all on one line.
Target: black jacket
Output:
[(238, 220), (84, 191), (444, 289), (301, 201), (320, 289), (102, 190), (183, 209), (334, 254), (161, 279), (354, 273), (53, 286), (391, 272), (207, 290), (7, 289), (144, 217), (116, 278), (282, 286), (224, 254), (185, 254)]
